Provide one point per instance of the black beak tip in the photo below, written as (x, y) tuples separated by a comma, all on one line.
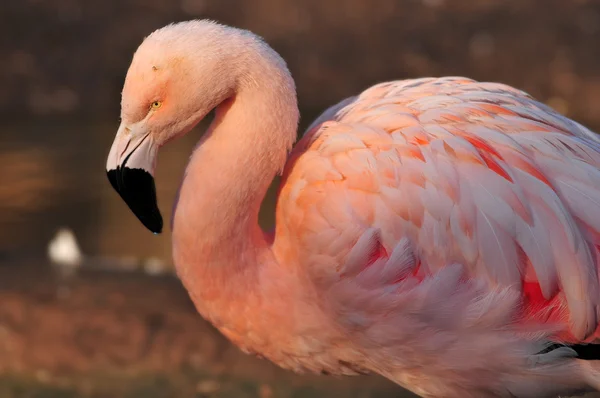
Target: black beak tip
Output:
[(155, 226), (136, 188), (153, 222)]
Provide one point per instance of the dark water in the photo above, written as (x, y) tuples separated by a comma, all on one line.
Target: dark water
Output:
[(53, 176)]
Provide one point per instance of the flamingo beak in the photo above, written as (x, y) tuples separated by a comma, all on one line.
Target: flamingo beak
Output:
[(130, 168)]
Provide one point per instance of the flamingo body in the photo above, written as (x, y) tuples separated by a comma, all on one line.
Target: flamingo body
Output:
[(478, 174), (441, 232)]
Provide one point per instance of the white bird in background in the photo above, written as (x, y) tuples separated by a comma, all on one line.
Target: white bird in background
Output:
[(64, 253)]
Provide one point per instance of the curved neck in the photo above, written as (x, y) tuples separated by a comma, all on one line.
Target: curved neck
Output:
[(215, 224)]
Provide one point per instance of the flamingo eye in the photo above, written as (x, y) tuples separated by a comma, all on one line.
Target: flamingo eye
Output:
[(155, 105)]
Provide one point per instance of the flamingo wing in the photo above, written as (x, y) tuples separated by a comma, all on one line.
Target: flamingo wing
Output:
[(420, 182)]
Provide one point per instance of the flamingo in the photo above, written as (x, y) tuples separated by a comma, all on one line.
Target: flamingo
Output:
[(441, 232)]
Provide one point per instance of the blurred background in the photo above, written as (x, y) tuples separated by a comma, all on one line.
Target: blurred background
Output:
[(121, 325)]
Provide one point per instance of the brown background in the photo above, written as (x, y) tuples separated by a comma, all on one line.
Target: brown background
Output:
[(113, 332)]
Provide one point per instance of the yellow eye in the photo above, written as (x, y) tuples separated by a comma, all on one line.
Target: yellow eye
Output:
[(156, 104)]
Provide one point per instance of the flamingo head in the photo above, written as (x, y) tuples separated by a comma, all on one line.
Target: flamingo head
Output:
[(177, 76)]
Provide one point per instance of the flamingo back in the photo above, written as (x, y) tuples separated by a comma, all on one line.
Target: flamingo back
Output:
[(470, 173)]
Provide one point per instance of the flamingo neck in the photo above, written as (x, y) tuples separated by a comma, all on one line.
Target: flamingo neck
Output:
[(216, 236)]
